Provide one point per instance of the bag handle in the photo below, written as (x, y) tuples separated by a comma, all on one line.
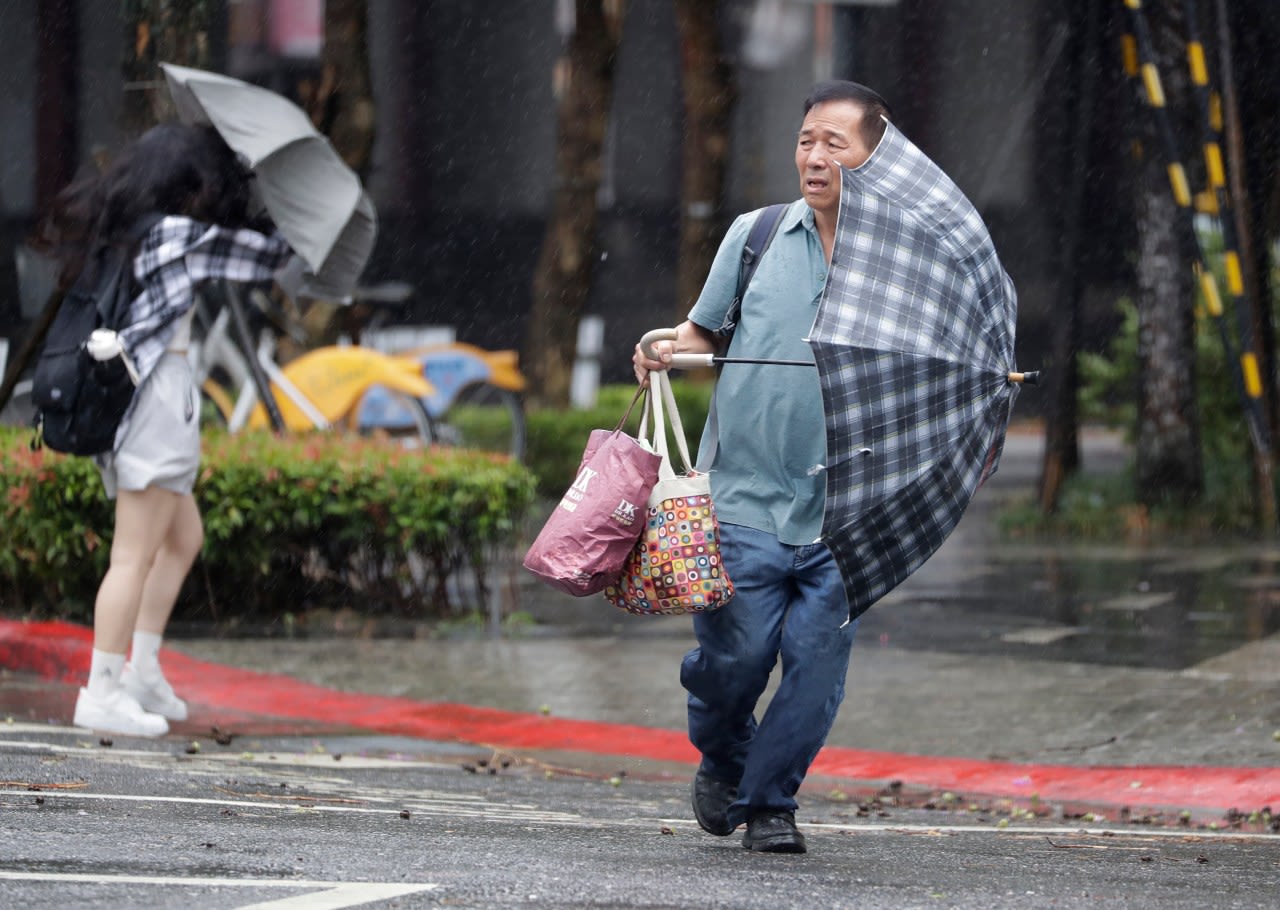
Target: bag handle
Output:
[(640, 390), (661, 422)]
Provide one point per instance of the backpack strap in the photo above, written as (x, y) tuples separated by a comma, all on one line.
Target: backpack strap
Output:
[(762, 231), (109, 261)]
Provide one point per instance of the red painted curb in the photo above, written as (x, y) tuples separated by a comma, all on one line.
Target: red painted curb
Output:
[(57, 650)]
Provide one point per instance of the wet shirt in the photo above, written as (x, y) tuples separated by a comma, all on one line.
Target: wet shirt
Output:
[(771, 437)]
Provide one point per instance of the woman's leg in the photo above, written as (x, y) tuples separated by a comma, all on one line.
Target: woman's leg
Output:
[(178, 550), (143, 677), (143, 518)]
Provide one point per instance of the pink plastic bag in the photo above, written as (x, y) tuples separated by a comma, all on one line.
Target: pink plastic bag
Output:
[(584, 544)]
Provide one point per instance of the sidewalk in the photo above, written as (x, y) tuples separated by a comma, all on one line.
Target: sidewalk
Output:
[(948, 691)]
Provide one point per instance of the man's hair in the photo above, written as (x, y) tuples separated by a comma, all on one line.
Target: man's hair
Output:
[(875, 110)]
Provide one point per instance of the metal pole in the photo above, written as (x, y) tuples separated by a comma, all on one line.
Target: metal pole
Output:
[(250, 351), (1140, 60)]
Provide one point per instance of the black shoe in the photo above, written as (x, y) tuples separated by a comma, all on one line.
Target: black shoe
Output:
[(711, 800), (773, 832)]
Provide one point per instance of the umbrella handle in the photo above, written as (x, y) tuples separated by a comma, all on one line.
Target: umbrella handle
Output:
[(678, 361)]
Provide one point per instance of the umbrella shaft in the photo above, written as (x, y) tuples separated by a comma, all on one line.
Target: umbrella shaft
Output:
[(765, 361)]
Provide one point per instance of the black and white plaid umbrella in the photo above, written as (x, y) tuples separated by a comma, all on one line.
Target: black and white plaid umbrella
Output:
[(914, 347), (914, 342)]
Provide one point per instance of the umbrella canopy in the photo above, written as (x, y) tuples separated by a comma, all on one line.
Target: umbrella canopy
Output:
[(914, 343), (313, 197)]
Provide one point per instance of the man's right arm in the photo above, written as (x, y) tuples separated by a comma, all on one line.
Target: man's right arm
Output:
[(691, 338)]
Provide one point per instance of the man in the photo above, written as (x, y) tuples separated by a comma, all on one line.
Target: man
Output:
[(768, 484)]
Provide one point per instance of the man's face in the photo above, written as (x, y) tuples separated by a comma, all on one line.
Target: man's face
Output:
[(829, 137)]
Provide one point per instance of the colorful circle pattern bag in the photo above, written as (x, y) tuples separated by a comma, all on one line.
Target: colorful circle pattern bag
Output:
[(675, 566)]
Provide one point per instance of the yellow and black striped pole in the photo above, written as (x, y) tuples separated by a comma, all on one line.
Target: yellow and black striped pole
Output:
[(1139, 59), (1217, 202)]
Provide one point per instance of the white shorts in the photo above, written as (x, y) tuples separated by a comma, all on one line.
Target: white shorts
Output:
[(161, 445)]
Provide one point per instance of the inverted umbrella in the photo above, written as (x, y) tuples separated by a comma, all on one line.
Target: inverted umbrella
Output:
[(313, 197), (914, 345)]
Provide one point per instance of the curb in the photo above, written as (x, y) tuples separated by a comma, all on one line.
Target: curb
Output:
[(60, 651)]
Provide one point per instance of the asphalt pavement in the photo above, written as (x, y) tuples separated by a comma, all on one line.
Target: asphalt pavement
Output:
[(1124, 682), (332, 821)]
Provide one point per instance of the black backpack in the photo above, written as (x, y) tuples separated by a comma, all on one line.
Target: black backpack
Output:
[(80, 401)]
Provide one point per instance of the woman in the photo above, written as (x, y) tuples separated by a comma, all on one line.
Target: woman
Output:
[(191, 178)]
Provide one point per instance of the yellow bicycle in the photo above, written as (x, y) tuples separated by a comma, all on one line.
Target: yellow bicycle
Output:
[(243, 386), (452, 394)]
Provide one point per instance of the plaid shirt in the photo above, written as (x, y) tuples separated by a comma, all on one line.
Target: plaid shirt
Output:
[(178, 254)]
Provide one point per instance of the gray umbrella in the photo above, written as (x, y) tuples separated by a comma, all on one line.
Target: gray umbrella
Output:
[(313, 197), (914, 345)]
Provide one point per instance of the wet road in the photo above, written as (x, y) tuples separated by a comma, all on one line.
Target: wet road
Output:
[(379, 822)]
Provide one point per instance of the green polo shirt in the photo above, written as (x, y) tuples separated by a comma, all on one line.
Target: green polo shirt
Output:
[(768, 470)]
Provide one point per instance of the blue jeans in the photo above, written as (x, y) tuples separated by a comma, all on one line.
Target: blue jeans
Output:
[(789, 601)]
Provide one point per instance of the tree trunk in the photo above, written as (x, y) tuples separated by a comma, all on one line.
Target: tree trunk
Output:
[(1062, 438), (1169, 465), (169, 31), (340, 102), (562, 280), (159, 31), (709, 94)]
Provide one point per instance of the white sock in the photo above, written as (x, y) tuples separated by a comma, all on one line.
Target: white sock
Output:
[(104, 673), (146, 652)]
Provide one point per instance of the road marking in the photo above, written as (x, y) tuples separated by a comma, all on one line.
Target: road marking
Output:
[(1041, 636), (331, 896), (1183, 834), (86, 745), (1137, 602), (486, 811)]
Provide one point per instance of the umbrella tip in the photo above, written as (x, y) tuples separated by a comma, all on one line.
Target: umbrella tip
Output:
[(1025, 378)]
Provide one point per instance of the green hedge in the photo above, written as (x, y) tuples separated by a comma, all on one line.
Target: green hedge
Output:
[(316, 520), (557, 438), (307, 521)]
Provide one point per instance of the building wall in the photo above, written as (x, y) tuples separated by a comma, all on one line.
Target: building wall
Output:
[(18, 48)]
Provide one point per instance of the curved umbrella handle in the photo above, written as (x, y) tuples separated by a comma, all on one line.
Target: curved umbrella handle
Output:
[(678, 361)]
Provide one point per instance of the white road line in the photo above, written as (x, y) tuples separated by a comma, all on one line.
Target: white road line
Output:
[(490, 811), (333, 896), (275, 757), (1059, 831)]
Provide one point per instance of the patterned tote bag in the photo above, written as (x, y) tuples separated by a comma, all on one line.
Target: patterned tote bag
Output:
[(675, 566)]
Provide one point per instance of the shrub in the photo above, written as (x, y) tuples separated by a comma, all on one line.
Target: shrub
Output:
[(557, 437), (302, 521)]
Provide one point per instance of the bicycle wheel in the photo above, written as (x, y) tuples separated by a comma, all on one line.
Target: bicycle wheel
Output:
[(486, 418), (385, 413)]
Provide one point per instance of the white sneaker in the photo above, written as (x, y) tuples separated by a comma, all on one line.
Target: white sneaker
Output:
[(118, 712), (153, 692)]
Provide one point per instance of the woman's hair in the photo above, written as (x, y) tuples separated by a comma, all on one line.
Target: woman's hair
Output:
[(875, 110), (172, 169)]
